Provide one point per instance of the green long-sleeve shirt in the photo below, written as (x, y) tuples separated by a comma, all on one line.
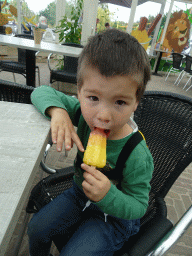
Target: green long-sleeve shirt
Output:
[(132, 200)]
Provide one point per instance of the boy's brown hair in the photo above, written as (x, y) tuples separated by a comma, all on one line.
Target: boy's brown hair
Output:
[(112, 53)]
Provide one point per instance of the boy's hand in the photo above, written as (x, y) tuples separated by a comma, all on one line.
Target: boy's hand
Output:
[(62, 129), (96, 185)]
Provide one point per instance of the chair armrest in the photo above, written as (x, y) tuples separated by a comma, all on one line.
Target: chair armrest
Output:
[(174, 235), (48, 61), (147, 237), (37, 53), (46, 168), (45, 191), (150, 232), (42, 163)]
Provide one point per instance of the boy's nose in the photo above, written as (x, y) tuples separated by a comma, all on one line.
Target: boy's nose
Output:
[(104, 116), (104, 120)]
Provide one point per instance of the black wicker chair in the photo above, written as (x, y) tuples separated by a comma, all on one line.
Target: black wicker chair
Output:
[(19, 66), (187, 70), (165, 119), (177, 65), (13, 92), (69, 72)]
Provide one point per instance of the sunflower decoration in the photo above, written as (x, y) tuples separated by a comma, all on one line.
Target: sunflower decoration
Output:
[(28, 21), (141, 34), (8, 30), (13, 10), (4, 17)]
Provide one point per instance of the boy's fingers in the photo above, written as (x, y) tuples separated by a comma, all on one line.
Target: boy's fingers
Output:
[(71, 143), (54, 137), (60, 139), (92, 170), (78, 142), (67, 139), (54, 134)]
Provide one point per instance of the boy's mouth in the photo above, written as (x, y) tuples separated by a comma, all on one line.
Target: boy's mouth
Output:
[(105, 131)]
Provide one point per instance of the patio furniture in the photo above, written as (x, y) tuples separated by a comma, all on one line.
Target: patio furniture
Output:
[(13, 92), (30, 47), (158, 60), (177, 65), (187, 70), (69, 72), (19, 66), (25, 31), (168, 63), (24, 134), (165, 119)]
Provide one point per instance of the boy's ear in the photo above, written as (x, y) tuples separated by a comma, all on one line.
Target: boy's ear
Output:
[(136, 105), (78, 93)]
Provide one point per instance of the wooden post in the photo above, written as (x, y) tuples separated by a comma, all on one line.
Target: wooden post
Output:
[(167, 21), (60, 12), (154, 40), (89, 20), (19, 16), (132, 15)]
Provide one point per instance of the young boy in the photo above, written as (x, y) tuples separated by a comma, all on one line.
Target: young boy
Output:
[(112, 75)]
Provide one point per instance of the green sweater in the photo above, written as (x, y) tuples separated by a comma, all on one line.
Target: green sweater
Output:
[(132, 201)]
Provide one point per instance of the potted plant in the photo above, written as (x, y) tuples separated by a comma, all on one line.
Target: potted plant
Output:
[(69, 29), (38, 33)]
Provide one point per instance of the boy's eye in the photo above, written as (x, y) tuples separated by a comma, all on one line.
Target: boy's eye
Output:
[(120, 102), (93, 98)]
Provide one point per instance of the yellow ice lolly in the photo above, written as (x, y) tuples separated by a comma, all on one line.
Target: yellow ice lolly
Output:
[(95, 153)]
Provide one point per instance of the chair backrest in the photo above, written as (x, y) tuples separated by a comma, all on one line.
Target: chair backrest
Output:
[(177, 59), (71, 63), (188, 63), (13, 92), (165, 119), (25, 31), (22, 52)]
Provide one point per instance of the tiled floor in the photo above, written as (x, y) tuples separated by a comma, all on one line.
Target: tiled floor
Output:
[(178, 199)]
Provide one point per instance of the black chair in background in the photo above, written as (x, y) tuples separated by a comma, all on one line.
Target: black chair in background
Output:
[(168, 63), (19, 66), (13, 92), (69, 72), (187, 70), (165, 119), (177, 65), (25, 31)]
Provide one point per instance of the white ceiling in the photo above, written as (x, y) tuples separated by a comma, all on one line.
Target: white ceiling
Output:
[(127, 3)]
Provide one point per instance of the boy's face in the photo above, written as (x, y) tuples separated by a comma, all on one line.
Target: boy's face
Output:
[(108, 102)]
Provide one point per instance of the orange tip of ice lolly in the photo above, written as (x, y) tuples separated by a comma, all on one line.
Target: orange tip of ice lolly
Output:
[(95, 153)]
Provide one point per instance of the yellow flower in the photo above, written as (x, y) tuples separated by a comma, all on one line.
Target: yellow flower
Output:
[(8, 30), (13, 10), (3, 19), (142, 37)]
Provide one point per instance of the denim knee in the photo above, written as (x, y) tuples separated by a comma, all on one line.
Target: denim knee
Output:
[(31, 229), (35, 230)]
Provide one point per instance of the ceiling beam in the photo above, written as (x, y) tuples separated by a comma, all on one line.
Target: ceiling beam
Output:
[(127, 3)]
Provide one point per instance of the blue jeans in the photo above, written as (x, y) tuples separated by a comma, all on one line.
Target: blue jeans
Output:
[(92, 234)]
